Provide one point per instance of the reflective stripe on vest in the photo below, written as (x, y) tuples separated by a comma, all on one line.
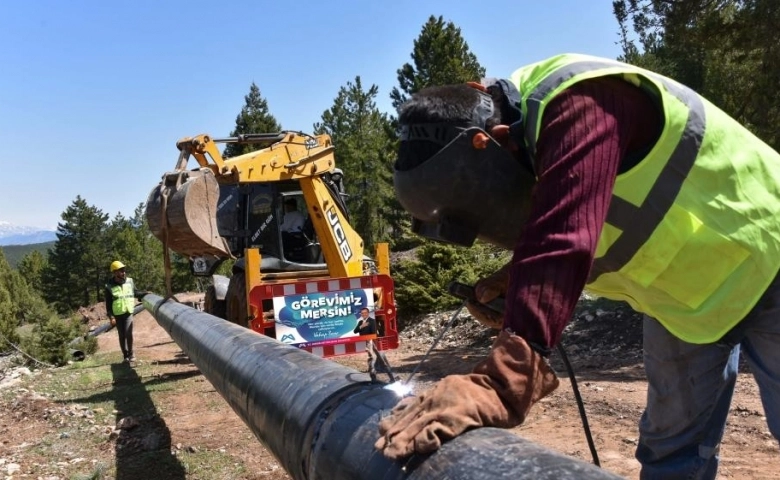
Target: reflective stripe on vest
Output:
[(124, 299), (736, 234), (623, 214)]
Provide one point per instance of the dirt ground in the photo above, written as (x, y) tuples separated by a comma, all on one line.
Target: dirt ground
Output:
[(603, 344)]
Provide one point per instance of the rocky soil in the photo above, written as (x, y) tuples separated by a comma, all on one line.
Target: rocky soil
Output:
[(162, 420)]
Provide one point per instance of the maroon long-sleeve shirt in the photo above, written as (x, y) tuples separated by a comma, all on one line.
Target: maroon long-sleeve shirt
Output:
[(589, 133)]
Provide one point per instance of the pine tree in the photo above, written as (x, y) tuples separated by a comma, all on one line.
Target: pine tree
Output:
[(19, 305), (726, 50), (149, 266), (441, 56), (254, 118), (182, 279), (29, 307), (31, 268), (8, 320), (76, 272), (363, 142), (8, 324)]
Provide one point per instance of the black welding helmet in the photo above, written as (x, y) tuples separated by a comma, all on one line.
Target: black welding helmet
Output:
[(471, 188)]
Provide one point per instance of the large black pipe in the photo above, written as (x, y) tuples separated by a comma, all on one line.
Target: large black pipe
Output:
[(320, 418)]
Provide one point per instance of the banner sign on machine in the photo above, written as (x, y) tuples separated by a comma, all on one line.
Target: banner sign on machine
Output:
[(324, 318)]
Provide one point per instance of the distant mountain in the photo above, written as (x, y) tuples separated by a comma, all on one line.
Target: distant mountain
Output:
[(18, 235), (14, 253)]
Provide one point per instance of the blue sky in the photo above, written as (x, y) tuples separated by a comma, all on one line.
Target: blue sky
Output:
[(94, 94)]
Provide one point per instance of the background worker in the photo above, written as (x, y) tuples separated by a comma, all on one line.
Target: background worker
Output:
[(120, 301), (293, 220), (294, 240), (602, 175)]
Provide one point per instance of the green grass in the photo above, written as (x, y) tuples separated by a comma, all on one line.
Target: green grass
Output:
[(100, 472), (85, 401), (205, 464)]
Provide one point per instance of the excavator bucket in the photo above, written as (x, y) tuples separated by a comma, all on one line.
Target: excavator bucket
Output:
[(182, 213)]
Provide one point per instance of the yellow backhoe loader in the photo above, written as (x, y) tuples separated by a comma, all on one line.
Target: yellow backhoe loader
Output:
[(303, 282)]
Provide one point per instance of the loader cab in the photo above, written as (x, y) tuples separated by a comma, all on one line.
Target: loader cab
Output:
[(299, 244), (253, 216)]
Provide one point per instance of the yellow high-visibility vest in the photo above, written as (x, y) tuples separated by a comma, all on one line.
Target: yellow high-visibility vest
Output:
[(124, 297), (692, 235)]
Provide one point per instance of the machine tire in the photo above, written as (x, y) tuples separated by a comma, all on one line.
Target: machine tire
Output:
[(236, 300), (214, 306)]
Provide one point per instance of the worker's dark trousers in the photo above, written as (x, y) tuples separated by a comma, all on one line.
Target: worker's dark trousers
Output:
[(124, 327), (690, 388)]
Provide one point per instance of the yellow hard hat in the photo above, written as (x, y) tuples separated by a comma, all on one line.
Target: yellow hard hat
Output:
[(116, 265)]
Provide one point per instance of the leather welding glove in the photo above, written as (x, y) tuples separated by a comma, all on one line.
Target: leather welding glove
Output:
[(487, 289), (498, 393)]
